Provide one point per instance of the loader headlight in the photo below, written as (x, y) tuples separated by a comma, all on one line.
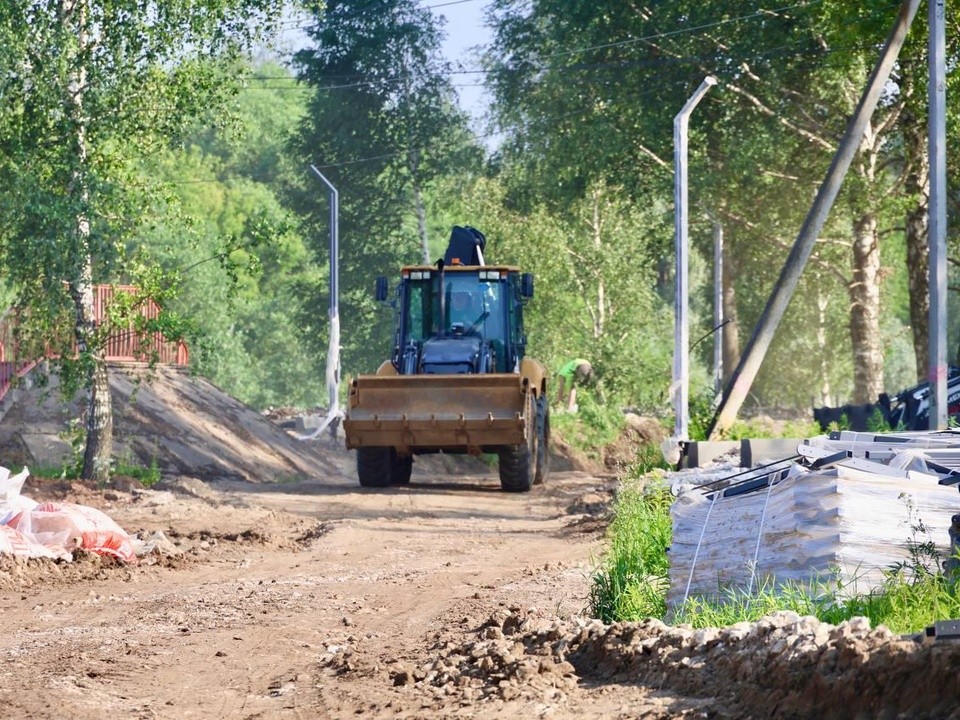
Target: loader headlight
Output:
[(420, 275)]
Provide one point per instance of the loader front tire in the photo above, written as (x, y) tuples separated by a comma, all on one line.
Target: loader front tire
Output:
[(401, 468), (374, 466), (518, 463)]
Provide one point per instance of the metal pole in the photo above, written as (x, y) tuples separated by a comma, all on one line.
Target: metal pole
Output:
[(937, 238), (333, 348), (752, 357), (718, 307), (681, 352)]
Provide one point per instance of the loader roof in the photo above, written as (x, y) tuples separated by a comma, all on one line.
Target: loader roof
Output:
[(461, 268)]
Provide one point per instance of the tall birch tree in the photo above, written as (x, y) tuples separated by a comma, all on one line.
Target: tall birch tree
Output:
[(88, 89)]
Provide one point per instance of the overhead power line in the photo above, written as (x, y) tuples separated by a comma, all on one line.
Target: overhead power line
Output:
[(756, 14), (301, 25), (384, 156), (611, 65), (760, 13), (617, 65), (451, 2)]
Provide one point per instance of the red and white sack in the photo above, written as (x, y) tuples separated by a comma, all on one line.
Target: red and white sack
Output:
[(78, 526), (12, 503), (14, 542)]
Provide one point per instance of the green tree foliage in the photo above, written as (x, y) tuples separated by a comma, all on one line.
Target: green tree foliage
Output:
[(594, 286), (382, 125), (587, 92), (245, 268), (88, 89)]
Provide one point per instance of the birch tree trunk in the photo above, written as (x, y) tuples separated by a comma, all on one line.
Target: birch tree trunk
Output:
[(99, 410), (822, 303), (600, 316), (730, 331), (918, 253), (421, 222), (864, 290)]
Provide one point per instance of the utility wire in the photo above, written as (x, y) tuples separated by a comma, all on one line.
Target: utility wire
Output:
[(539, 120), (652, 62), (300, 25), (760, 13), (465, 143), (446, 4), (681, 31), (298, 85), (583, 111)]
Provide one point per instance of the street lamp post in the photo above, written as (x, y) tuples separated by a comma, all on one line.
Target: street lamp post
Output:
[(681, 353), (333, 348), (937, 224)]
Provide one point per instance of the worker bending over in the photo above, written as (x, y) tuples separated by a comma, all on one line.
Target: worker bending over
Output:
[(573, 374)]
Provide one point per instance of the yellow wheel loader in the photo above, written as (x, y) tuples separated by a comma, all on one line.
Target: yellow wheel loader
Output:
[(458, 380)]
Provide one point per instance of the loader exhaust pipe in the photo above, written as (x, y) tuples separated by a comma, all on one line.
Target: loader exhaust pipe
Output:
[(443, 299)]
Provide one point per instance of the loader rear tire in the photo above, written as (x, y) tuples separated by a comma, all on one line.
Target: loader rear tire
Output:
[(518, 463), (374, 466)]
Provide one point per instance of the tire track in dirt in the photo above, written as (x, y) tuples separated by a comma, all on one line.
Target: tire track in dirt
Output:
[(268, 626)]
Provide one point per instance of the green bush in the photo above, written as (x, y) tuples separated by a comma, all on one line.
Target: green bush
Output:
[(593, 426), (146, 476), (648, 459)]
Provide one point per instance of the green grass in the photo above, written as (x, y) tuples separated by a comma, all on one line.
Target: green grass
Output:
[(905, 603), (631, 582), (702, 407), (631, 579), (47, 472), (593, 426), (146, 476)]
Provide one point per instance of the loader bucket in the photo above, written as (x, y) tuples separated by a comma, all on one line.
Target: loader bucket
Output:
[(429, 412)]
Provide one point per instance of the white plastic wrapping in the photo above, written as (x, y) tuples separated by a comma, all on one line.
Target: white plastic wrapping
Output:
[(807, 527), (55, 530)]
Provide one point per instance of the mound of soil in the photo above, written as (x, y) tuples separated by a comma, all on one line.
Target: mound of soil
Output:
[(181, 422), (638, 432), (784, 666)]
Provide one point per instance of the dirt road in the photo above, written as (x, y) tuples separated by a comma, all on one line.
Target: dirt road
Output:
[(300, 600), (441, 599)]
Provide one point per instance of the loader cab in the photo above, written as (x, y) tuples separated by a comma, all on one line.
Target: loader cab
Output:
[(459, 319)]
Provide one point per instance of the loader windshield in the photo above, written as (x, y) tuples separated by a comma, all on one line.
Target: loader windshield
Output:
[(471, 307)]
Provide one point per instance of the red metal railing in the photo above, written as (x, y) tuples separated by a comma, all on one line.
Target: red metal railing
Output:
[(127, 345), (122, 345), (10, 366)]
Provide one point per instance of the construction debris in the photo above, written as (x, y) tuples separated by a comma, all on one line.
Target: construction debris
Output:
[(843, 511), (907, 410), (55, 530)]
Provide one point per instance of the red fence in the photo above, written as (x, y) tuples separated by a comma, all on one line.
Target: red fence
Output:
[(126, 345), (122, 345)]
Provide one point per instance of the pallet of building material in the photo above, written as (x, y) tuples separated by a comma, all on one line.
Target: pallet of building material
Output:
[(940, 450), (842, 524)]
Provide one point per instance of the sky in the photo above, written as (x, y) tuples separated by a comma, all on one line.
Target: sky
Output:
[(465, 31)]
